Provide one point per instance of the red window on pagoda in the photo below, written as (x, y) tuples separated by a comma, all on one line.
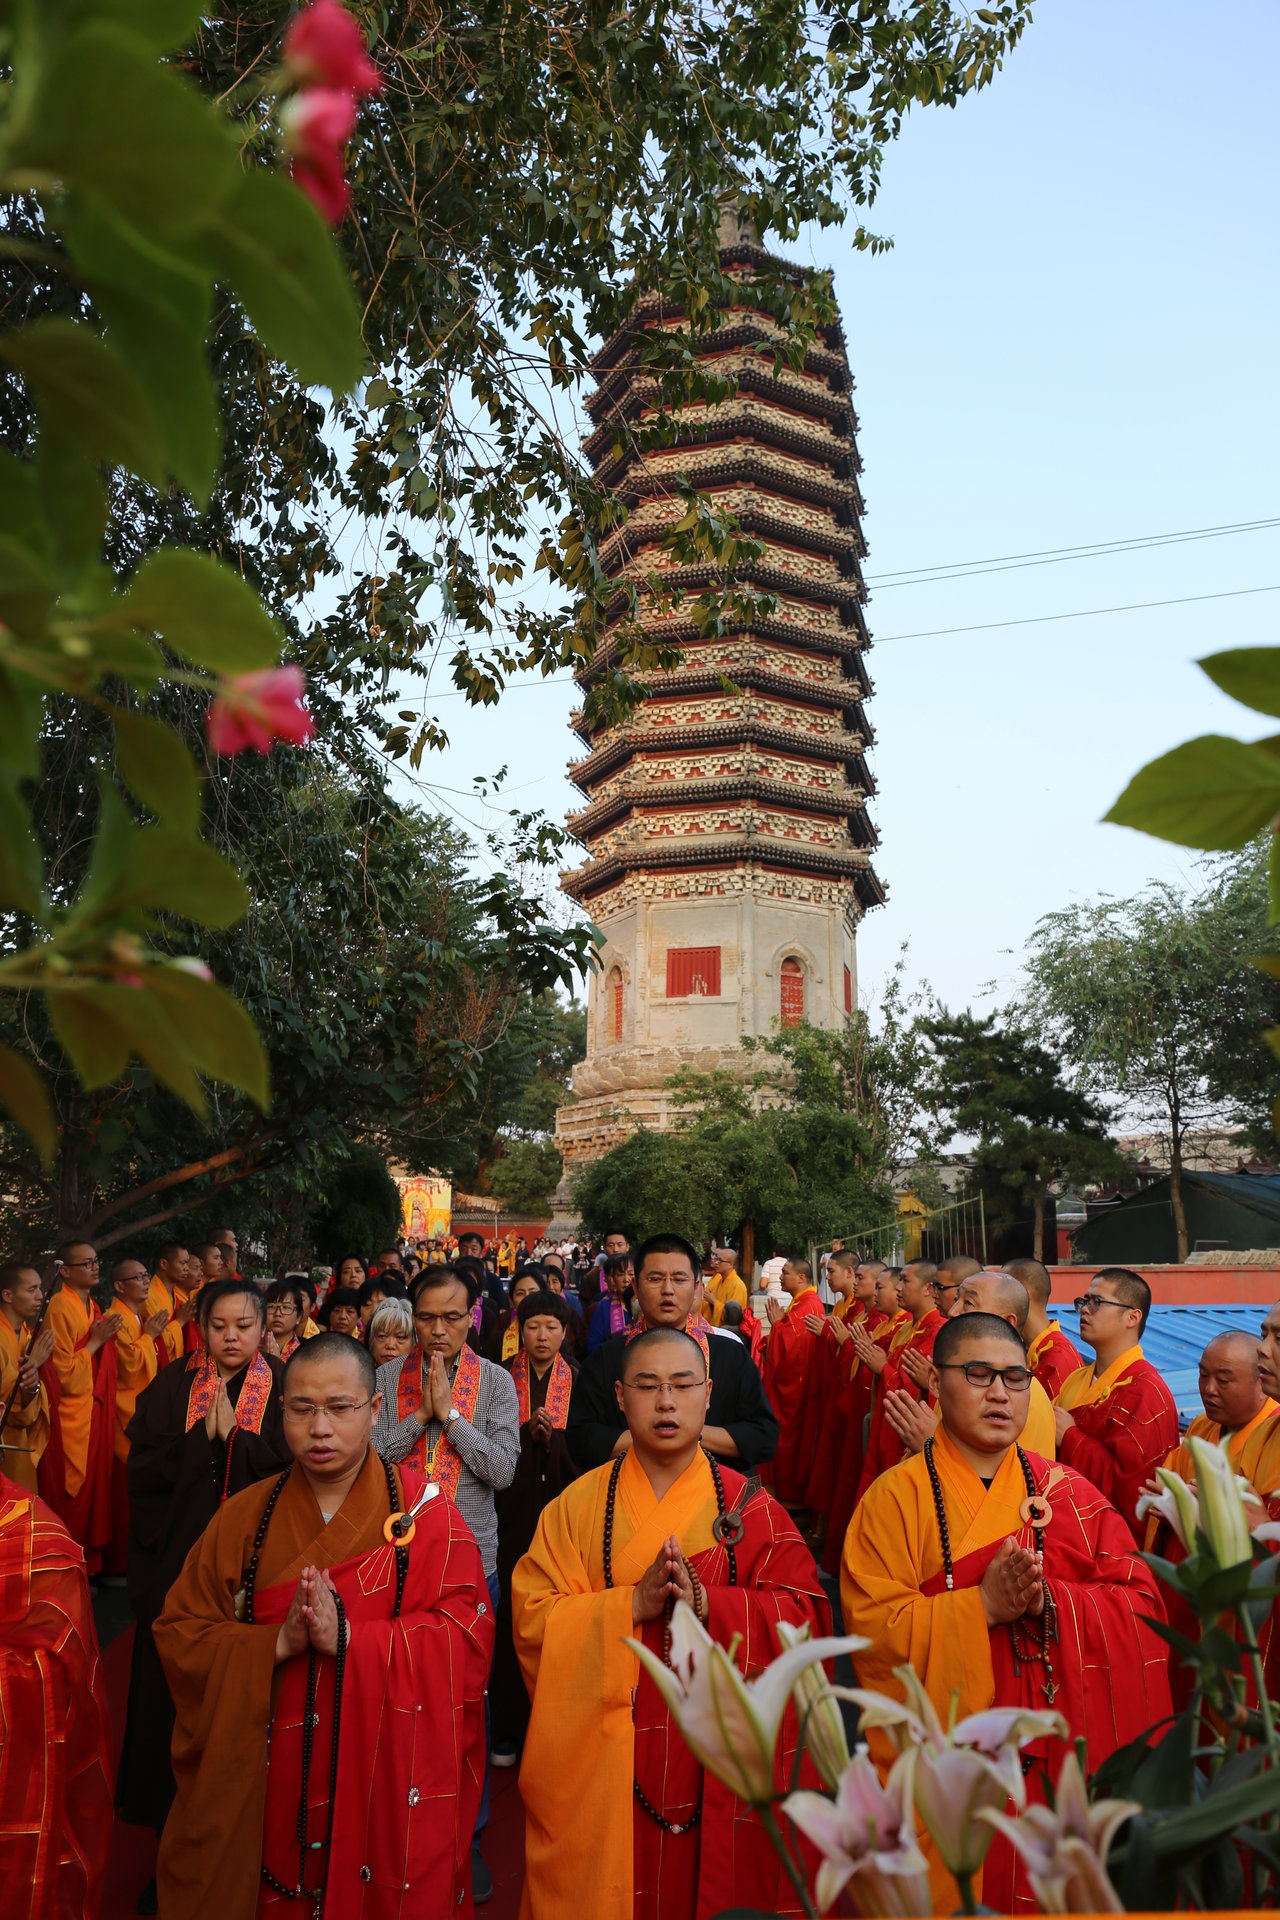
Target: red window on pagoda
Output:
[(692, 970), (615, 984), (792, 993), (848, 990)]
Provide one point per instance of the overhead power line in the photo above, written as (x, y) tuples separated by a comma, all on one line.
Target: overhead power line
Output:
[(1056, 556), (1078, 613)]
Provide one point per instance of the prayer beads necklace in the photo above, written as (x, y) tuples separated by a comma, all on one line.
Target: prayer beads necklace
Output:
[(728, 1537), (310, 1718), (1023, 1650)]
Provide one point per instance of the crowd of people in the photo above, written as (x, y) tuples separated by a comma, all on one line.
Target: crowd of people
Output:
[(383, 1534)]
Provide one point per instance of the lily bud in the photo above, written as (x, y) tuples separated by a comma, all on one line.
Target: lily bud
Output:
[(1224, 1519), (819, 1712)]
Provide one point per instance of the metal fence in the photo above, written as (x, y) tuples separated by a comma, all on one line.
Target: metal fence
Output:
[(932, 1233)]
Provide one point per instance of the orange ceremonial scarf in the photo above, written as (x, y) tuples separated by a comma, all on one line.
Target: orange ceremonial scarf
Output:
[(252, 1401), (559, 1387), (441, 1463)]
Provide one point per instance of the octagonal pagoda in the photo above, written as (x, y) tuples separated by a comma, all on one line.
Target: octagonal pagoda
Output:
[(725, 824)]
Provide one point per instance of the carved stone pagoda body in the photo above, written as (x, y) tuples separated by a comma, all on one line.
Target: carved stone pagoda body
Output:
[(728, 844)]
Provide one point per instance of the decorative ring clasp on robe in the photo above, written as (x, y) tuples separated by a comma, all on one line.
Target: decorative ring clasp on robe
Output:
[(398, 1528), (727, 1529), (1035, 1511)]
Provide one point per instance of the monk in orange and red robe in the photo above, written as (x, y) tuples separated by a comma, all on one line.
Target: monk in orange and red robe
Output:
[(319, 1615), (1004, 1580), (1116, 1419), (24, 1425), (620, 1821), (916, 1295), (81, 1380), (793, 1382), (1053, 1357), (883, 1322), (55, 1736), (848, 1312)]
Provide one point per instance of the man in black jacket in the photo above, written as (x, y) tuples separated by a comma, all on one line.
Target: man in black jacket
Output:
[(741, 1428)]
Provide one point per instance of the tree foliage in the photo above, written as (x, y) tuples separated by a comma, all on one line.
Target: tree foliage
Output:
[(991, 1080), (1155, 1000)]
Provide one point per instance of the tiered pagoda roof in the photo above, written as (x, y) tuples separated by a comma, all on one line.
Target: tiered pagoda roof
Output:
[(750, 755)]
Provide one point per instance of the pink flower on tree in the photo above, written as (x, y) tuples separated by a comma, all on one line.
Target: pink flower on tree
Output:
[(324, 51), (317, 125), (257, 709), (323, 46)]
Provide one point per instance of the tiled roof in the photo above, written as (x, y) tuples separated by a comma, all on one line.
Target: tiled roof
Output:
[(1174, 1340)]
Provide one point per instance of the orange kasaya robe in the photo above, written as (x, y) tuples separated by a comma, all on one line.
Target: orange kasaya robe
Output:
[(1053, 1359), (76, 1476), (55, 1735), (598, 1723), (26, 1428), (857, 1397), (1110, 1670), (832, 1380), (411, 1754), (884, 1448), (1126, 1422), (172, 1341), (792, 1384)]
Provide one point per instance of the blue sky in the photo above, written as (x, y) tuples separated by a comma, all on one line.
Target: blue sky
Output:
[(1072, 341)]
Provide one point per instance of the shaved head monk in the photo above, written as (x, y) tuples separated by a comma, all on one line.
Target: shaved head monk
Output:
[(793, 1382), (1116, 1418), (1003, 1579), (620, 1823), (1053, 1357), (984, 1292), (308, 1609), (905, 1366)]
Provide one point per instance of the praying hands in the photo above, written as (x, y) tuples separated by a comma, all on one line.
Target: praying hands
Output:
[(1013, 1585), (312, 1619)]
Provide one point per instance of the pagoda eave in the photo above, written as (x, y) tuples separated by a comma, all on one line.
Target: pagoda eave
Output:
[(811, 403), (657, 796), (833, 542), (749, 466), (686, 634), (829, 697), (796, 586), (833, 749), (762, 427), (582, 883)]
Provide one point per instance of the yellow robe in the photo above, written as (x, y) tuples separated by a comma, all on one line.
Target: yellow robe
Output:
[(172, 1340), (70, 1320), (1085, 1387), (1260, 1457), (26, 1430), (136, 1365), (724, 1290)]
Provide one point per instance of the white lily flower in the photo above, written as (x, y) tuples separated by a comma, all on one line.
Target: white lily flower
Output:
[(1224, 1518), (1064, 1848), (1176, 1505), (867, 1839), (730, 1724), (818, 1708)]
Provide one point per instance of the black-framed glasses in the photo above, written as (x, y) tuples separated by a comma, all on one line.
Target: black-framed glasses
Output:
[(944, 1286), (79, 1263), (335, 1409), (1095, 1300), (979, 1374)]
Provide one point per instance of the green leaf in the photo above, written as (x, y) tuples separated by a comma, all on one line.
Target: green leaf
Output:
[(220, 1037), (1212, 792), (114, 124), (101, 1027), (161, 23), (28, 590), (278, 254), (156, 764), (1250, 675), (21, 869), (203, 610), (157, 310), (21, 717), (85, 392), (133, 869), (90, 1038), (1273, 880), (24, 1093), (72, 496)]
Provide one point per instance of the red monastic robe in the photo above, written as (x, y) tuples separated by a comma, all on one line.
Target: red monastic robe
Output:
[(1126, 1422), (792, 1381), (411, 1755), (834, 1373), (856, 1397), (1053, 1359), (1110, 1668), (55, 1736), (884, 1448), (598, 1721)]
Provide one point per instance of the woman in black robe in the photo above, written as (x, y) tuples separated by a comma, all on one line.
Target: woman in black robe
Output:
[(544, 1384), (204, 1429)]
